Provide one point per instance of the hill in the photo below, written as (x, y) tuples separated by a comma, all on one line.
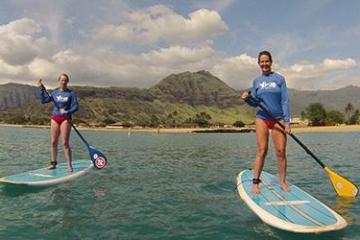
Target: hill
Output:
[(200, 88), (331, 99), (175, 100), (14, 95)]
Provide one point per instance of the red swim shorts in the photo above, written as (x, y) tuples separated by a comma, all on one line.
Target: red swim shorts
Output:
[(269, 123), (59, 119)]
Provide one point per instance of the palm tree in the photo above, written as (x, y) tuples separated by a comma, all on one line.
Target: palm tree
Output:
[(349, 109)]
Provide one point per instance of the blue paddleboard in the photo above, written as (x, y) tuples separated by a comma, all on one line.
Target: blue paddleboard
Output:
[(294, 211), (47, 177)]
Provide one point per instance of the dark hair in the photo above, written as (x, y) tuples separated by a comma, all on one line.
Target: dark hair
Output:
[(267, 53), (65, 75)]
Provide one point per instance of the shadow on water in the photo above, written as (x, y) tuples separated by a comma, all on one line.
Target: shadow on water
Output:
[(19, 190)]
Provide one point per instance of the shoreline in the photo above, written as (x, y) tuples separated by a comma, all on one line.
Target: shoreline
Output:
[(305, 129)]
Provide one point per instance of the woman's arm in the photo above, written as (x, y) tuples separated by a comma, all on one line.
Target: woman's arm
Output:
[(45, 98)]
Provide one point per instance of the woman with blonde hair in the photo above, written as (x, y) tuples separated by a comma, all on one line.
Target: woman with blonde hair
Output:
[(65, 105)]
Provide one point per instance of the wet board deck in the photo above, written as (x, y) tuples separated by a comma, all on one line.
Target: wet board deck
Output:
[(294, 211), (47, 177)]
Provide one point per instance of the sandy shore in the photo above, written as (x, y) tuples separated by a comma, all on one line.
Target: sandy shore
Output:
[(342, 128)]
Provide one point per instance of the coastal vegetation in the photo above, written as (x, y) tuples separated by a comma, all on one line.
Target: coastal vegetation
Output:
[(187, 99), (319, 116)]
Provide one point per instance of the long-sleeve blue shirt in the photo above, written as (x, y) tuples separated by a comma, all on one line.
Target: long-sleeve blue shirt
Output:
[(64, 99), (271, 90)]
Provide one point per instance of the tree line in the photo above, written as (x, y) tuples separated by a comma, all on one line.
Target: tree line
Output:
[(318, 116)]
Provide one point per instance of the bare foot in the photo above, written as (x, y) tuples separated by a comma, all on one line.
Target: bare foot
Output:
[(69, 168), (256, 189), (285, 187)]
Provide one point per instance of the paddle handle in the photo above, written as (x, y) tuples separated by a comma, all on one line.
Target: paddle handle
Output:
[(72, 125), (307, 150)]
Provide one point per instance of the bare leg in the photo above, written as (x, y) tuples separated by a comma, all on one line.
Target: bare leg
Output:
[(55, 131), (262, 138), (65, 129), (279, 139)]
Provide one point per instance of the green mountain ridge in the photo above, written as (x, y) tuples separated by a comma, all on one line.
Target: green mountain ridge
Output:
[(200, 88), (331, 99), (175, 100)]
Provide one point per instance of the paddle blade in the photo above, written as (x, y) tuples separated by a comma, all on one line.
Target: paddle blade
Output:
[(99, 160), (342, 186)]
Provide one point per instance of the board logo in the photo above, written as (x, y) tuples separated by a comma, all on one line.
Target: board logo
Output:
[(100, 162)]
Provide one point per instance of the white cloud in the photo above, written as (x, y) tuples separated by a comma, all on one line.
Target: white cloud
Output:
[(160, 23), (316, 76), (24, 26), (40, 68), (19, 44), (105, 67), (176, 55), (26, 54), (7, 70), (337, 64), (237, 71), (66, 57)]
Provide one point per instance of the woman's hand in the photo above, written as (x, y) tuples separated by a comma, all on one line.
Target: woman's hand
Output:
[(63, 111), (245, 95), (38, 83)]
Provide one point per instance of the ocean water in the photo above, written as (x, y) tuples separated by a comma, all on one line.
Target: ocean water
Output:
[(164, 186)]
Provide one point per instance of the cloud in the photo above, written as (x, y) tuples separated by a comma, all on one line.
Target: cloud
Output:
[(337, 64), (7, 70), (177, 55), (238, 71), (316, 76), (161, 23), (40, 68), (18, 41), (145, 69), (26, 54), (104, 67)]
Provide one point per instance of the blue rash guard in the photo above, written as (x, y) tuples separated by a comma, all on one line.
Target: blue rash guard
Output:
[(272, 91), (64, 99)]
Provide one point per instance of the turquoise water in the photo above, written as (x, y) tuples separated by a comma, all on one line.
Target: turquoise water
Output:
[(164, 186)]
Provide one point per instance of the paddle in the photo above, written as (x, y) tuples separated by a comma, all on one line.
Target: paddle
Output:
[(342, 186), (98, 158)]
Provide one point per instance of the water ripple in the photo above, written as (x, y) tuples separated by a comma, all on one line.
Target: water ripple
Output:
[(164, 186)]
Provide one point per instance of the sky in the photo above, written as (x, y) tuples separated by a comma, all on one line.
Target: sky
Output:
[(128, 43)]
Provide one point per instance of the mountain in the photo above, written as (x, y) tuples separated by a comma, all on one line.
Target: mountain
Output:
[(175, 100), (14, 95), (199, 88), (331, 99)]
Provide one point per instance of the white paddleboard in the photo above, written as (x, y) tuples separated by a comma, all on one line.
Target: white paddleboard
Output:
[(294, 211), (47, 177)]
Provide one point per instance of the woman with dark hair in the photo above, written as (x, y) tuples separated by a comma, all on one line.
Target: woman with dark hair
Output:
[(270, 89), (66, 105)]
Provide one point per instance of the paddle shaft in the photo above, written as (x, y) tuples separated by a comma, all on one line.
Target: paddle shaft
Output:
[(307, 150), (72, 125)]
